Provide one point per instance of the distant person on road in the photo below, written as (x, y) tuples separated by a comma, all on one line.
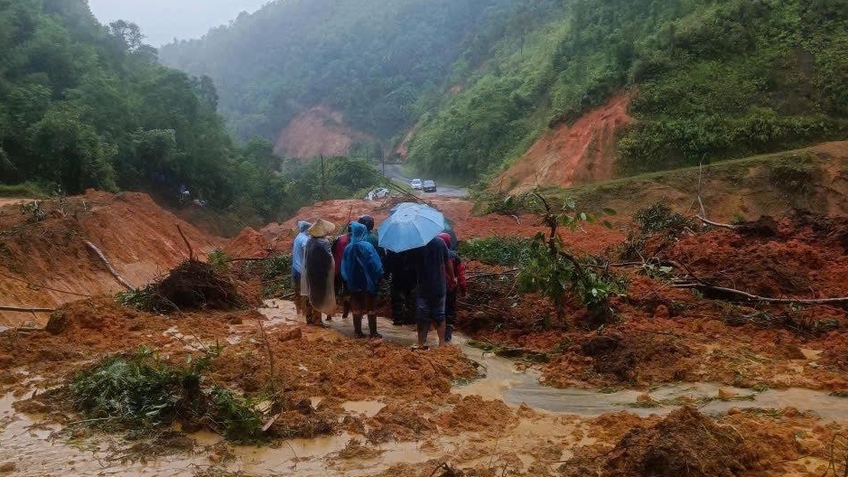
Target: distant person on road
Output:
[(459, 286), (434, 277), (362, 271), (318, 271), (297, 262)]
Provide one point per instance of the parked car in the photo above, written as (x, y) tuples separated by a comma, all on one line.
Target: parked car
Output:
[(416, 184), (429, 186), (377, 194)]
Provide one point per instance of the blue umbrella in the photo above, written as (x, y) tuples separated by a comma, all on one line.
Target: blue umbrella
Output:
[(403, 205), (448, 227), (409, 227)]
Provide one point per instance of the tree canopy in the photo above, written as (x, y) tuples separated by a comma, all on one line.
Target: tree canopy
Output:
[(83, 105)]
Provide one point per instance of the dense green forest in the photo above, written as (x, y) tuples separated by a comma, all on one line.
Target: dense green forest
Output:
[(84, 105), (382, 63), (710, 79)]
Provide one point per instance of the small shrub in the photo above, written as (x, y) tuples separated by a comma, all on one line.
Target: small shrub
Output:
[(659, 217), (276, 276), (142, 390), (218, 259), (505, 251)]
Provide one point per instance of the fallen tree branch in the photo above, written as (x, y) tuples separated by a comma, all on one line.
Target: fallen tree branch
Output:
[(109, 266), (190, 250), (26, 310), (494, 274), (751, 297), (715, 224)]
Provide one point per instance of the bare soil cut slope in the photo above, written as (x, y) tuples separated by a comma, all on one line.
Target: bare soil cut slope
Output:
[(570, 154), (318, 131), (138, 237)]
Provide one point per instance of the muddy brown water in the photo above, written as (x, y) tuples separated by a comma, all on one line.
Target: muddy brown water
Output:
[(32, 448)]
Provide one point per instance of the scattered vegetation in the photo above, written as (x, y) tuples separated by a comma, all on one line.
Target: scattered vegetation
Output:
[(659, 217), (555, 273), (142, 390), (505, 251), (277, 276)]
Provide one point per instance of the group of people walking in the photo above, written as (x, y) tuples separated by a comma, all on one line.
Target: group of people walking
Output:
[(348, 270)]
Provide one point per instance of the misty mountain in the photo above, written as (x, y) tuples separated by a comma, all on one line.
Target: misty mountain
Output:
[(476, 82), (372, 60)]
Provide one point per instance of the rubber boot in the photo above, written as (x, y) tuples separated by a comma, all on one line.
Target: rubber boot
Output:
[(448, 333), (372, 327), (357, 326), (345, 309)]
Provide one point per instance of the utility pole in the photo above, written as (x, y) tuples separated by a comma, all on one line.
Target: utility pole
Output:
[(323, 180)]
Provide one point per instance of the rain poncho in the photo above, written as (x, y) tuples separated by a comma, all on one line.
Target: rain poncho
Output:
[(318, 271), (361, 266), (299, 246)]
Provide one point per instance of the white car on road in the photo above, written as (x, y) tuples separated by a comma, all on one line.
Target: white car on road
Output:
[(376, 194), (416, 184)]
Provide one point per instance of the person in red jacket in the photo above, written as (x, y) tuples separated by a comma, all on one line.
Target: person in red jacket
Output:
[(454, 289), (338, 248)]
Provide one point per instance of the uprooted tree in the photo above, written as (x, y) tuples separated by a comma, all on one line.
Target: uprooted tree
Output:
[(555, 272)]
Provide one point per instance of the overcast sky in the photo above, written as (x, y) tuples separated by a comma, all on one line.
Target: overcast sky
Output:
[(163, 20)]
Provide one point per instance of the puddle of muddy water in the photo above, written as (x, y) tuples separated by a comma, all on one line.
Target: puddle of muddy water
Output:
[(503, 381)]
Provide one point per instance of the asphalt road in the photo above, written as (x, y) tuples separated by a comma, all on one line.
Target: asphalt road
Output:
[(394, 172)]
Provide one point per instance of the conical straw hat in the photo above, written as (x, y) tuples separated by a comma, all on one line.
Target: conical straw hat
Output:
[(322, 228)]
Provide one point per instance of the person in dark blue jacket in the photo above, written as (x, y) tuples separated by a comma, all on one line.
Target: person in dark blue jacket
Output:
[(362, 271)]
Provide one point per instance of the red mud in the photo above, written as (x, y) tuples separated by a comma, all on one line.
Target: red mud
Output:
[(139, 238), (591, 239), (248, 244), (570, 154)]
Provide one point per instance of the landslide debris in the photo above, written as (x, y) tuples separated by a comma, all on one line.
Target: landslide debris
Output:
[(193, 285), (683, 444)]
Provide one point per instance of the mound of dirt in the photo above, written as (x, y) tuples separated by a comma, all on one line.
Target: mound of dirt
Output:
[(249, 243), (683, 444), (474, 414), (634, 357), (786, 258)]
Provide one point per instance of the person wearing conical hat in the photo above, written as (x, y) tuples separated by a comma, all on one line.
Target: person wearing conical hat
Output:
[(319, 272)]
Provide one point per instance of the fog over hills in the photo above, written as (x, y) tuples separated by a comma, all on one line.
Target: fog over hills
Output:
[(163, 20)]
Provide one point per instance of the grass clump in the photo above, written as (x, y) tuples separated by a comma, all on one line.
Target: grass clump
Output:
[(659, 217), (141, 390), (504, 251)]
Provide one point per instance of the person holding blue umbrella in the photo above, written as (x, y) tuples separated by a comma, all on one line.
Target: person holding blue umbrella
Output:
[(415, 227)]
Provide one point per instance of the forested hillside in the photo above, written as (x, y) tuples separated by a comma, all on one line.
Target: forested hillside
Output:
[(481, 80), (709, 80), (85, 105), (382, 63)]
